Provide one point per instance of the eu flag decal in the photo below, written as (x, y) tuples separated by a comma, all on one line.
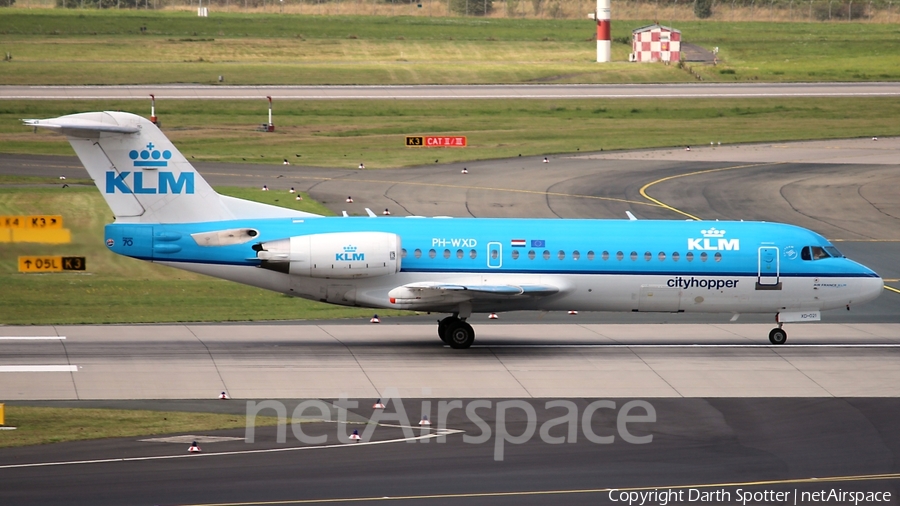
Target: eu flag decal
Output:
[(538, 243)]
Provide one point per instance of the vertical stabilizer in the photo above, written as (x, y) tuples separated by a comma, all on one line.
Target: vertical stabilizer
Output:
[(139, 172)]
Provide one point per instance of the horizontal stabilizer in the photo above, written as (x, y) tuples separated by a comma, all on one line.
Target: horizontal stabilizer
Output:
[(72, 126)]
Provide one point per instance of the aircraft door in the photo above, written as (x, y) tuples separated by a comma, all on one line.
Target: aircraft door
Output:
[(769, 269), (494, 255)]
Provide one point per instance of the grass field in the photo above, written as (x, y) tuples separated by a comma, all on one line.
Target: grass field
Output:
[(39, 425), (108, 47), (343, 133)]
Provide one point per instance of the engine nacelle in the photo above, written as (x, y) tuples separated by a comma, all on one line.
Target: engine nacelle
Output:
[(339, 255)]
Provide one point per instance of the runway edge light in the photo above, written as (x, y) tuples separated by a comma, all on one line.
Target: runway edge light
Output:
[(378, 405), (194, 448)]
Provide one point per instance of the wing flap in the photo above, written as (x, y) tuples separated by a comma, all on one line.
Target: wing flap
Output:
[(428, 293)]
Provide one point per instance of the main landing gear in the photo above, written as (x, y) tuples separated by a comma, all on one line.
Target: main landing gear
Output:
[(778, 335), (456, 332)]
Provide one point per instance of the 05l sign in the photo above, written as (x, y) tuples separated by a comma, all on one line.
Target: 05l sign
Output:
[(50, 264)]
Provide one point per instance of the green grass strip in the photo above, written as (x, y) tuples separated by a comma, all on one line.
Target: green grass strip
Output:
[(41, 425)]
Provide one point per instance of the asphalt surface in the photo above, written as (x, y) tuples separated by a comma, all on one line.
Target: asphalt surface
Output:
[(720, 446), (734, 434), (522, 91)]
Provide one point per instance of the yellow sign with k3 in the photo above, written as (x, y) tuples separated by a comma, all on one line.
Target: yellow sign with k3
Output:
[(50, 264)]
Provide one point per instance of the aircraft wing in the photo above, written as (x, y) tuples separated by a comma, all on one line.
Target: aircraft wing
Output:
[(429, 293)]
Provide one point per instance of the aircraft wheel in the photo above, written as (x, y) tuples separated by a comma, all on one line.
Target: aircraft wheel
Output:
[(443, 326), (460, 335), (777, 336)]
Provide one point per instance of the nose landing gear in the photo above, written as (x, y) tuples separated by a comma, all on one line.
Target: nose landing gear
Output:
[(778, 335)]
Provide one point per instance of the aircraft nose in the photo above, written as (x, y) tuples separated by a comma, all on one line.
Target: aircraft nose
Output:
[(870, 289)]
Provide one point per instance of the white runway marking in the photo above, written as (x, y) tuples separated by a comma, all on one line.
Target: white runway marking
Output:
[(442, 432), (31, 338), (38, 368)]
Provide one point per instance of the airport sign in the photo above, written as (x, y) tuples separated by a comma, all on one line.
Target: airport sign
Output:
[(50, 263)]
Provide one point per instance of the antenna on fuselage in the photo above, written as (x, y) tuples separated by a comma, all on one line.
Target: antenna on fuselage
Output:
[(631, 216)]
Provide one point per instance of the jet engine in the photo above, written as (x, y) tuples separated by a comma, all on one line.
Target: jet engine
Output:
[(340, 255)]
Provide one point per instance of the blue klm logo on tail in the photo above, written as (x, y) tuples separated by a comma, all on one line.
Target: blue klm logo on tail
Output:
[(150, 157), (166, 181)]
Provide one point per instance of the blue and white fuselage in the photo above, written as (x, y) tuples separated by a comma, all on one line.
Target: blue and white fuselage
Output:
[(599, 265), (166, 213)]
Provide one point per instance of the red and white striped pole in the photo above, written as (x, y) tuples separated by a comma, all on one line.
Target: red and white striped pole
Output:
[(603, 32), (153, 109)]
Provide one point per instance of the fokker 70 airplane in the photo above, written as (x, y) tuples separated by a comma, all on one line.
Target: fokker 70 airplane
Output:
[(166, 213)]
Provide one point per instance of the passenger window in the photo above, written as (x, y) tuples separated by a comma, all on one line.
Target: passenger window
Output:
[(576, 255), (662, 256), (703, 256), (460, 254), (531, 255), (689, 256), (546, 255), (718, 257), (432, 253), (590, 256), (561, 255), (417, 253), (515, 254), (403, 253), (675, 256), (605, 255), (473, 254), (620, 256), (446, 253), (634, 256), (648, 256)]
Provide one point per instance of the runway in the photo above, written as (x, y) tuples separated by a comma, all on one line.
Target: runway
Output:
[(331, 360), (444, 92), (724, 446)]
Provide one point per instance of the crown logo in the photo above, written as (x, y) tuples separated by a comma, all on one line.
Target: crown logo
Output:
[(349, 249), (150, 157), (713, 232)]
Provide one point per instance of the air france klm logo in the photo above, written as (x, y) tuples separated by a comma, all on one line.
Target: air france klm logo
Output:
[(714, 240), (349, 255), (165, 182)]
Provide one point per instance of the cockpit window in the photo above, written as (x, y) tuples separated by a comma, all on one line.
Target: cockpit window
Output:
[(834, 252), (816, 252)]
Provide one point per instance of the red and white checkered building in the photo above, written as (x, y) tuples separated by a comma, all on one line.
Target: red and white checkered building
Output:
[(655, 43)]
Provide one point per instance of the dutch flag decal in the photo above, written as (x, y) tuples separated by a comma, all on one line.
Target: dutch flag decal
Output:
[(517, 243)]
